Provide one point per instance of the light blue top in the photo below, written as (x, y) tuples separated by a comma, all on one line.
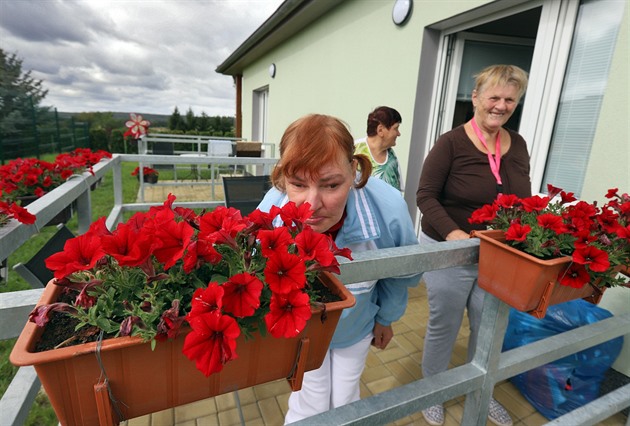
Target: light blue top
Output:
[(376, 217)]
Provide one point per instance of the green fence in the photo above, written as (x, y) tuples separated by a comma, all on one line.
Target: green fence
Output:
[(47, 134)]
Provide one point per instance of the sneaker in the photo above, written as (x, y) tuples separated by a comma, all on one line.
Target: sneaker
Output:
[(434, 415), (497, 414)]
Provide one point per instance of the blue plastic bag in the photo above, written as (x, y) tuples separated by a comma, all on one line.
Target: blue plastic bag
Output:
[(568, 383)]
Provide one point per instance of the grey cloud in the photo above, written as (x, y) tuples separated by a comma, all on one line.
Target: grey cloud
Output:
[(144, 56)]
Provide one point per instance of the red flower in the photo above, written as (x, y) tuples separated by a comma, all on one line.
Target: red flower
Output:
[(508, 201), (285, 272), (596, 259), (314, 246), (277, 239), (553, 222), (21, 214), (129, 248), (292, 215), (241, 295), (575, 276), (212, 342), (79, 254), (198, 252), (484, 214), (535, 203), (517, 232), (209, 299), (174, 238), (288, 314)]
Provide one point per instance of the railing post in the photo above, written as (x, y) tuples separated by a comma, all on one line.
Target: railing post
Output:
[(494, 321), (84, 210)]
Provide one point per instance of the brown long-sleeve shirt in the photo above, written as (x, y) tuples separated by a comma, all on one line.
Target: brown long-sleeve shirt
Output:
[(456, 180)]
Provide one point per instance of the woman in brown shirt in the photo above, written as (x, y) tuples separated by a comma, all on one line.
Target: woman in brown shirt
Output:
[(467, 168)]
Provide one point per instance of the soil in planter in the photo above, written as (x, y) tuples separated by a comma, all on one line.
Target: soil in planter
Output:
[(61, 329)]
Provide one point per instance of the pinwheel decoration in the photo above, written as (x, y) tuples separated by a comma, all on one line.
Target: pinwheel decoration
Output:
[(137, 126)]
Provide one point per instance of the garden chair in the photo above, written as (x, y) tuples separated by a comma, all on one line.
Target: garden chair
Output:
[(34, 271), (245, 192)]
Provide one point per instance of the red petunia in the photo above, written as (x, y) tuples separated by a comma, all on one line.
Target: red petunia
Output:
[(508, 201), (242, 295), (174, 238), (212, 342), (129, 248), (277, 239), (575, 276), (198, 252), (596, 259), (79, 254), (21, 214), (294, 215), (284, 272), (517, 232), (205, 300), (484, 214), (553, 222), (314, 246), (262, 219), (535, 203), (288, 314)]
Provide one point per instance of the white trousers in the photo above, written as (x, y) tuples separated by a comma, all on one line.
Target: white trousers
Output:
[(334, 384)]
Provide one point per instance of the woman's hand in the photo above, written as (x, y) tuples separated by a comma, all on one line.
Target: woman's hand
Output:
[(382, 335), (457, 234)]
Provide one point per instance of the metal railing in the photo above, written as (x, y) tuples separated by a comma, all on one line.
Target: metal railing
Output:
[(200, 149), (476, 379)]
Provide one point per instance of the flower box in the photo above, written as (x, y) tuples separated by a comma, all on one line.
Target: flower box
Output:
[(145, 381), (525, 282)]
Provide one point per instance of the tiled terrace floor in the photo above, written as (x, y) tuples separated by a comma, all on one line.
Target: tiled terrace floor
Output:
[(386, 369)]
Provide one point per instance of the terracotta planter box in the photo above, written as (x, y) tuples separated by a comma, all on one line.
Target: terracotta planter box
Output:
[(62, 217), (145, 381), (525, 282)]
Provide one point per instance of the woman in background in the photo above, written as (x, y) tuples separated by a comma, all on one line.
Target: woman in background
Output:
[(383, 126)]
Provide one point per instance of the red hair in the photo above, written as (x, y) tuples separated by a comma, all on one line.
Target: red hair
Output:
[(312, 142)]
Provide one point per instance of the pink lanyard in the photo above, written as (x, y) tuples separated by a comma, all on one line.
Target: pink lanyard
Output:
[(495, 161)]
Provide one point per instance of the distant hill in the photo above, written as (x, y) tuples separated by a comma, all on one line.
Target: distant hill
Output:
[(154, 118)]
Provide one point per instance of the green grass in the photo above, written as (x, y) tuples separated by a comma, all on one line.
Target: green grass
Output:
[(102, 202)]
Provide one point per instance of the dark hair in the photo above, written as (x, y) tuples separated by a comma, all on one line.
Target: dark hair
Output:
[(312, 142), (382, 115)]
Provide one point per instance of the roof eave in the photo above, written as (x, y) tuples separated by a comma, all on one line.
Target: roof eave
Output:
[(290, 18)]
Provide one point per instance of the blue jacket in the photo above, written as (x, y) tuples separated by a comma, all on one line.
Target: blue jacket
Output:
[(376, 217)]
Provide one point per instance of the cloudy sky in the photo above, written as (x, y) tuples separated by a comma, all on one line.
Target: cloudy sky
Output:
[(144, 56)]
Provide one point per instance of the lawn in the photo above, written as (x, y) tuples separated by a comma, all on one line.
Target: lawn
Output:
[(102, 199)]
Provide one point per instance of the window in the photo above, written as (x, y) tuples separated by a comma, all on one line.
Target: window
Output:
[(583, 89)]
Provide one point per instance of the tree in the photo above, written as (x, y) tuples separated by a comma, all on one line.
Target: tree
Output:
[(20, 96), (204, 122), (191, 120), (175, 121)]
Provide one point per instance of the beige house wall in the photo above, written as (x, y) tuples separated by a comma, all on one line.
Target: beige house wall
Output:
[(609, 163), (329, 68)]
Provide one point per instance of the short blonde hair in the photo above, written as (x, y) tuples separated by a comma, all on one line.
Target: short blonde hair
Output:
[(502, 75), (312, 142)]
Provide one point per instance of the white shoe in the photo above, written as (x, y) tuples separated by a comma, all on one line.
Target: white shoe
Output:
[(434, 415), (498, 415)]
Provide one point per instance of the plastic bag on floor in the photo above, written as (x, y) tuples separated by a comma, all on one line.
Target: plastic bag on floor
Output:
[(567, 383)]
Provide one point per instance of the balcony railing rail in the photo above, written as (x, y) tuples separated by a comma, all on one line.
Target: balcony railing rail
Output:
[(476, 379)]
